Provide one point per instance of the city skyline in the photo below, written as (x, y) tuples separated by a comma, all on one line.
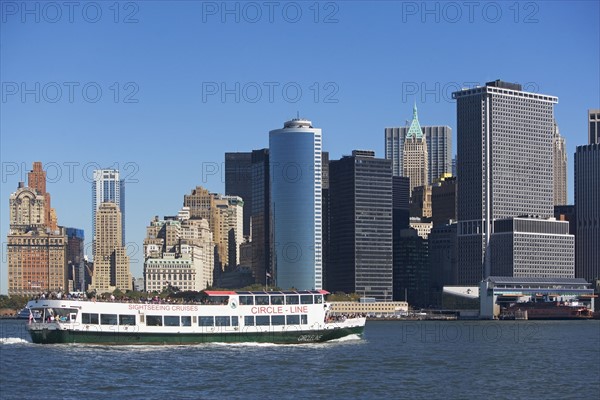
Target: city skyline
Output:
[(178, 121)]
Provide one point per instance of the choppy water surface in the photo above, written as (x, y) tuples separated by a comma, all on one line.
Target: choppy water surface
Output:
[(455, 359)]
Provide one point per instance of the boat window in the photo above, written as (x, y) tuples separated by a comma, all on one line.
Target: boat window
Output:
[(222, 321), (186, 321), (249, 320), (88, 318), (293, 299), (64, 313), (154, 320), (292, 319), (108, 319), (126, 319), (262, 320), (278, 320), (306, 299), (171, 320), (216, 300), (262, 300), (206, 321), (234, 321), (246, 300), (304, 319), (276, 300), (318, 298)]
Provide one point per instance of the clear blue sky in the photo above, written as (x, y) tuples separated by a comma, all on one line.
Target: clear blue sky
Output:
[(369, 60)]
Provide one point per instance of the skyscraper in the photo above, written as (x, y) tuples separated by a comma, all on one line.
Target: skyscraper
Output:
[(439, 149), (443, 200), (499, 125), (178, 252), (36, 254), (75, 259), (532, 247), (111, 263), (415, 164), (587, 200), (238, 182), (361, 225), (296, 204), (326, 210), (36, 179), (593, 126), (107, 186), (223, 213), (261, 216), (411, 268), (559, 167)]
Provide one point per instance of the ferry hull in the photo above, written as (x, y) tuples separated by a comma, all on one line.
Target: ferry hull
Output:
[(56, 336)]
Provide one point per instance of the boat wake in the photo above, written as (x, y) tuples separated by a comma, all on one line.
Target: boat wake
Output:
[(246, 344), (349, 338), (13, 340)]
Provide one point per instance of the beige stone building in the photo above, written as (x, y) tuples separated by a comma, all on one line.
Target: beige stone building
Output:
[(111, 263), (36, 246), (225, 218), (415, 157), (559, 167), (178, 252)]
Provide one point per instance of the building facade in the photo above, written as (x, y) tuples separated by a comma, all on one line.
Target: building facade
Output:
[(261, 217), (178, 253), (439, 149), (504, 165), (532, 247), (559, 167), (108, 187), (111, 262), (415, 159), (594, 126), (420, 202), (225, 218), (76, 259), (411, 268), (296, 204), (587, 199), (442, 242), (443, 200), (36, 247), (238, 182), (361, 225), (36, 179), (400, 202)]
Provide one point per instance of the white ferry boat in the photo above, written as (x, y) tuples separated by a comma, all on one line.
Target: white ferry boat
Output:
[(223, 316)]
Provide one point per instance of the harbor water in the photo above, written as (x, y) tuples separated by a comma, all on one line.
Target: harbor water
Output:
[(395, 359)]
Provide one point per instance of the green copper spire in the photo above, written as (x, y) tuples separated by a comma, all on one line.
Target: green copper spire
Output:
[(415, 128)]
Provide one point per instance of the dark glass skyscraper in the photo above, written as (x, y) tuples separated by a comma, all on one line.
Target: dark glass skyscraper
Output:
[(238, 182), (361, 225), (587, 205), (261, 215)]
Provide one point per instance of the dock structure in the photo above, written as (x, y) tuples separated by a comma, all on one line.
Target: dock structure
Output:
[(498, 292)]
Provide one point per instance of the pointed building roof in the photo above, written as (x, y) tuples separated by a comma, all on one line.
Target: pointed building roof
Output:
[(415, 128)]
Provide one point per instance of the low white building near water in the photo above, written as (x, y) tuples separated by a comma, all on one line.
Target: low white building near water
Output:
[(383, 308)]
